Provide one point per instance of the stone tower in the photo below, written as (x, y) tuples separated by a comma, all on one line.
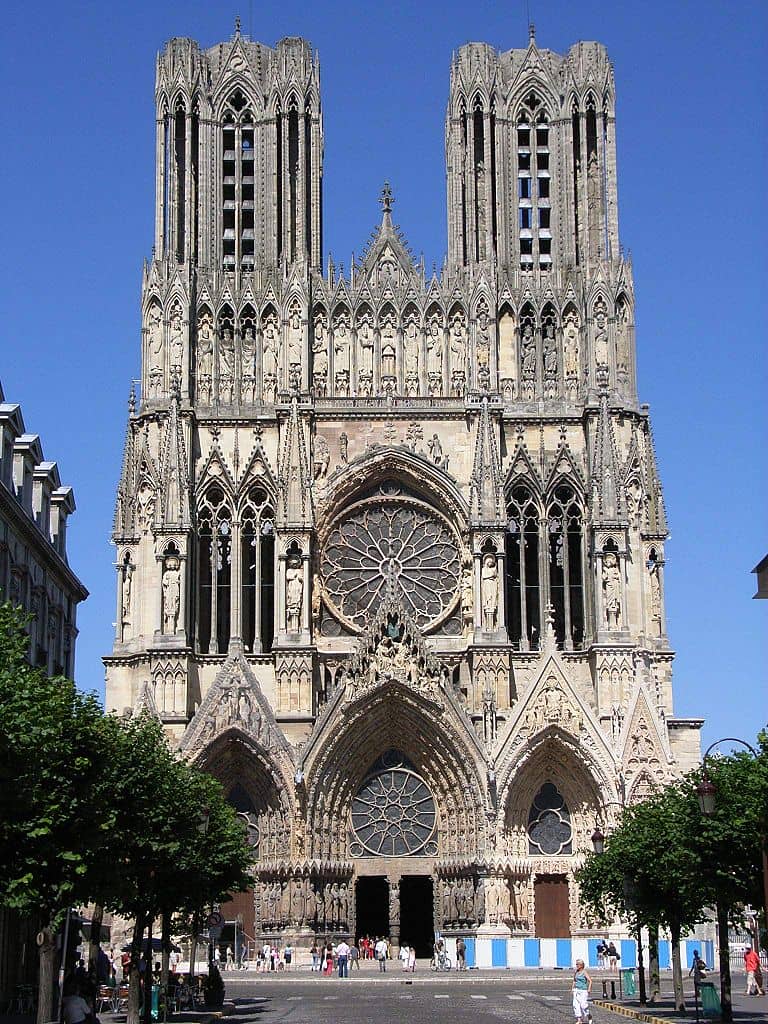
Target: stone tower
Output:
[(390, 547)]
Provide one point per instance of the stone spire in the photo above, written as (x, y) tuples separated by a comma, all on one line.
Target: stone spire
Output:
[(486, 471), (122, 522), (294, 480), (173, 466), (657, 513), (608, 505)]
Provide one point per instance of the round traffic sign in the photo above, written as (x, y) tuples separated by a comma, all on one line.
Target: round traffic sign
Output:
[(214, 920)]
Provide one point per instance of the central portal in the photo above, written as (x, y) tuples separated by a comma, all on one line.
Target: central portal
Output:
[(417, 914), (371, 907)]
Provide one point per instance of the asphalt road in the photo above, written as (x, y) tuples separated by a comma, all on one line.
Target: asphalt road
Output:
[(360, 1000)]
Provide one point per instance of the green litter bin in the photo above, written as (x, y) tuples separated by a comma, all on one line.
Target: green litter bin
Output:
[(155, 1002), (710, 1000), (628, 985)]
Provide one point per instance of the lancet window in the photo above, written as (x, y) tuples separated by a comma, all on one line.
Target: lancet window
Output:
[(238, 157), (545, 567), (214, 572), (257, 552), (533, 189)]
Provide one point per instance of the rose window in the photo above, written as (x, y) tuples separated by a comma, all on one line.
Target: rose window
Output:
[(393, 814), (396, 537), (549, 823)]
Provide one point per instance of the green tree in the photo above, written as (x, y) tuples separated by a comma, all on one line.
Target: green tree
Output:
[(649, 872), (52, 766)]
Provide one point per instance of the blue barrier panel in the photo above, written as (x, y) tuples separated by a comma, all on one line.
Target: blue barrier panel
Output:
[(563, 953), (628, 953), (592, 945), (709, 952), (470, 943), (690, 945), (665, 955), (498, 952), (531, 955)]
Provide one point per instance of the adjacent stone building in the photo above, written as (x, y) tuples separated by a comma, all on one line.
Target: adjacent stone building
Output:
[(35, 575), (390, 545)]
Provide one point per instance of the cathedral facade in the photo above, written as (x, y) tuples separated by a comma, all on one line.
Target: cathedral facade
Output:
[(390, 545)]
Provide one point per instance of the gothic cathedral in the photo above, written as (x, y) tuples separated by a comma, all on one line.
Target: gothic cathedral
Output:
[(390, 546)]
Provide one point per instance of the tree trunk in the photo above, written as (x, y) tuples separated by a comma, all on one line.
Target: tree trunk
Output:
[(47, 954), (653, 962), (165, 943), (640, 966), (725, 963), (95, 942), (134, 984), (193, 947), (677, 973), (148, 973)]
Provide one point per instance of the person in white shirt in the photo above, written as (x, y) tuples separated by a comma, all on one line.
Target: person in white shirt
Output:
[(381, 953), (342, 958), (76, 1009), (404, 954)]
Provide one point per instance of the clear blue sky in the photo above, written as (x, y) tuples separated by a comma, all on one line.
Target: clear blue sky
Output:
[(77, 112)]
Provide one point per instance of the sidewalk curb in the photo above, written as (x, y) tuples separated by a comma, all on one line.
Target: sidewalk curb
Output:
[(627, 1011)]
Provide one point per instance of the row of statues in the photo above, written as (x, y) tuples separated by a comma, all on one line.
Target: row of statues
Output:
[(355, 357), (496, 900), (304, 903)]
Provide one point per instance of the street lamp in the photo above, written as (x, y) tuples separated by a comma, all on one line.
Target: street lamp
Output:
[(598, 841)]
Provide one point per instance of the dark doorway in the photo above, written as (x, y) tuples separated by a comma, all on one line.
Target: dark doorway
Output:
[(372, 907), (552, 911), (417, 923)]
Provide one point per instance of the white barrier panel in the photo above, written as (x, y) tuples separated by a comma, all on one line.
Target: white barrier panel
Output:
[(515, 953), (548, 953), (483, 953)]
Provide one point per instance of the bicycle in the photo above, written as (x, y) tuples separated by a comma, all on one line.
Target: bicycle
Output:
[(441, 962)]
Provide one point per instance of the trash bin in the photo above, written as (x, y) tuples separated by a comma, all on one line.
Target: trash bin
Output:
[(155, 1002), (710, 1000), (628, 984)]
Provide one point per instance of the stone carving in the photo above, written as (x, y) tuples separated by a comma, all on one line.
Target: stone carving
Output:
[(571, 338), (295, 339), (549, 359), (342, 350), (489, 592), (467, 600), (320, 356), (655, 588), (612, 590), (601, 334), (365, 351), (271, 360), (343, 446), (226, 365), (435, 354), (458, 342), (436, 452), (126, 596), (176, 339), (321, 459), (248, 365), (294, 593), (528, 359), (622, 343), (145, 505), (155, 349), (552, 706), (411, 339), (171, 594), (205, 356), (483, 346), (394, 905), (388, 353)]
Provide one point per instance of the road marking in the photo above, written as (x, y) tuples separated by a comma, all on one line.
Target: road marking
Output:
[(478, 997), (406, 997), (514, 997), (529, 994), (292, 998), (445, 996), (330, 999), (555, 999)]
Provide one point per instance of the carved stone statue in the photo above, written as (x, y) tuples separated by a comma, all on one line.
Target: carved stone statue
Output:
[(655, 586), (321, 458), (295, 339), (171, 594), (365, 342), (622, 342), (601, 334), (458, 345), (483, 337), (271, 359), (571, 346), (612, 590), (467, 600), (176, 338), (155, 348), (394, 904), (411, 354), (248, 352), (341, 344), (126, 592), (294, 592), (435, 348), (528, 353), (344, 446), (489, 592), (388, 347), (320, 356), (549, 358)]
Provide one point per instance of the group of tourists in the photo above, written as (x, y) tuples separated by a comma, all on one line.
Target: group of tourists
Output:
[(342, 957), (607, 955)]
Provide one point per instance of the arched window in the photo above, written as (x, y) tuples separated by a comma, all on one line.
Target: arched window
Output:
[(238, 156), (258, 571), (522, 590), (566, 579), (533, 176), (549, 824), (214, 572)]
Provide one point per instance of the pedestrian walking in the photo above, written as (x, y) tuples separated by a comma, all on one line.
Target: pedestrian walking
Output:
[(613, 956), (582, 987), (354, 957), (315, 954), (404, 954), (412, 959), (342, 958), (380, 949), (461, 955), (754, 973)]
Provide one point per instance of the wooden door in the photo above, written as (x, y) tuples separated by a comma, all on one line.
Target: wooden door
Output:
[(552, 911)]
